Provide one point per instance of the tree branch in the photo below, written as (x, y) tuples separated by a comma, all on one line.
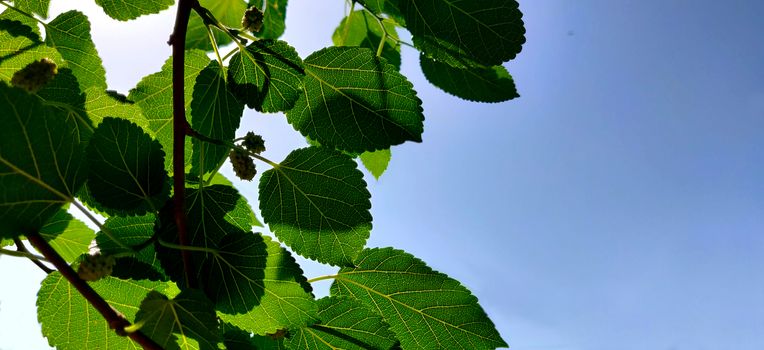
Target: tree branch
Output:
[(180, 125), (21, 248), (116, 321)]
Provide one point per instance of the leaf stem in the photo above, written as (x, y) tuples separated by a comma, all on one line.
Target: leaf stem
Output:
[(98, 224), (116, 321), (180, 124), (20, 247), (187, 248), (196, 134), (321, 278), (22, 254)]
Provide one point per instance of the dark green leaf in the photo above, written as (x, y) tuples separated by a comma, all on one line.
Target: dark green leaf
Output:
[(238, 339), (257, 285), (186, 322), (376, 162), (360, 28), (461, 32), (355, 101), (41, 158), (228, 12), (388, 7), (316, 202), (493, 84), (67, 235), (216, 113), (267, 76), (124, 10), (153, 95), (131, 231), (274, 18), (126, 169), (69, 33), (20, 44), (425, 309), (70, 322), (343, 324)]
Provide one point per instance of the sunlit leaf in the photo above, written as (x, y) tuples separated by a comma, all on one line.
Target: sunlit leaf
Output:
[(124, 10), (360, 28), (185, 322), (126, 169), (41, 158), (267, 76), (131, 231), (228, 12), (355, 101), (39, 7), (424, 308), (376, 162), (69, 33), (68, 236), (316, 202), (20, 44), (344, 323)]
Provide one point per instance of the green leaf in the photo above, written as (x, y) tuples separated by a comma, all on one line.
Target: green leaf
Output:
[(216, 113), (186, 322), (39, 7), (316, 202), (459, 32), (493, 84), (63, 92), (153, 95), (376, 162), (69, 33), (238, 339), (355, 101), (41, 158), (131, 231), (70, 322), (20, 44), (360, 28), (126, 169), (11, 15), (124, 10), (68, 236), (101, 104), (344, 324), (388, 7), (274, 19), (425, 309), (257, 285), (267, 76), (228, 12)]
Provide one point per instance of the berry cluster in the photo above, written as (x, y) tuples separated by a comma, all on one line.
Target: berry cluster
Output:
[(252, 20), (96, 266), (254, 143), (35, 75), (243, 165)]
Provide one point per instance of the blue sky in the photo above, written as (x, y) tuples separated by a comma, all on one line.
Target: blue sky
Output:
[(618, 204)]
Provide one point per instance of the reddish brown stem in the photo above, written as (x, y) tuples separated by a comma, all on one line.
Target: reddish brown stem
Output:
[(180, 125), (116, 321)]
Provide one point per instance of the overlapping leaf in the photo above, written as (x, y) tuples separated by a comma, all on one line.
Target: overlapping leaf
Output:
[(425, 309), (130, 232), (389, 7), (216, 113), (267, 76), (41, 158), (69, 33), (126, 169), (376, 162), (237, 339), (492, 84), (153, 95), (101, 104), (257, 285), (274, 17), (68, 236), (20, 44), (39, 7), (228, 12), (461, 32), (356, 102), (343, 324), (316, 202), (185, 322), (362, 29), (70, 322), (124, 10)]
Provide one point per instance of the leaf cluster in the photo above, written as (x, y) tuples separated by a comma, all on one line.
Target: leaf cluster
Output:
[(72, 142)]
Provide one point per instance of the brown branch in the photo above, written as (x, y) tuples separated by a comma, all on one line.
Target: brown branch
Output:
[(180, 124), (21, 248), (116, 321)]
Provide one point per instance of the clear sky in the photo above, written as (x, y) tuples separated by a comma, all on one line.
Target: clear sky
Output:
[(618, 204)]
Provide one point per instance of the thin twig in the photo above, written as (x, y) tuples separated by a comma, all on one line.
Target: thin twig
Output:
[(116, 321), (21, 248)]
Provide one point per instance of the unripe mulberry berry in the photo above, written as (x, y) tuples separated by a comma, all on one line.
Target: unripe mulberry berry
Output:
[(254, 143), (96, 266), (252, 20), (35, 75), (243, 165)]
